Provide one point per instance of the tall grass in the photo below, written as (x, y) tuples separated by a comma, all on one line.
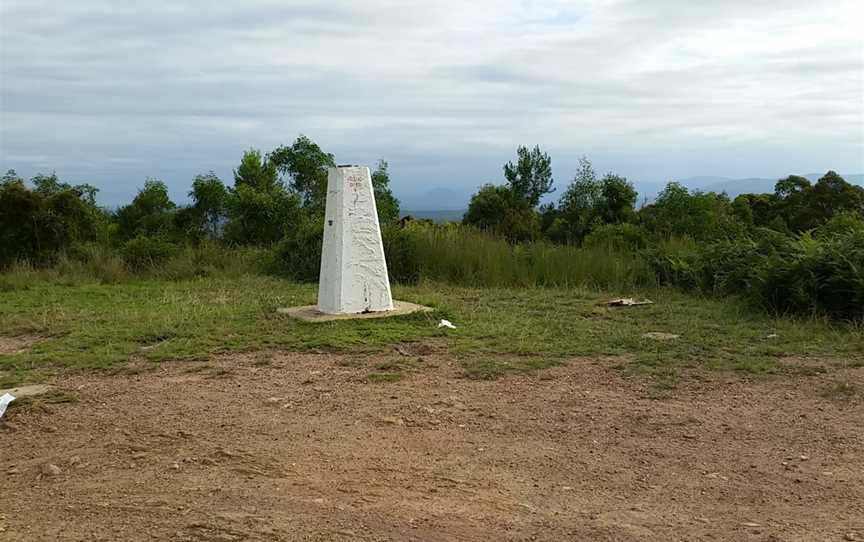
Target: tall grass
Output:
[(93, 263), (465, 256)]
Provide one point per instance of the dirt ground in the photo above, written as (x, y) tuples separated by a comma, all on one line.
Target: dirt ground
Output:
[(281, 446)]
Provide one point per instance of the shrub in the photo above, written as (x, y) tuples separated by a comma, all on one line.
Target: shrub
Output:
[(400, 250), (298, 254), (147, 252), (812, 274), (622, 237), (676, 262)]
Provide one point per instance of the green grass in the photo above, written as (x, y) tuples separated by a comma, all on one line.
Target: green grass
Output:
[(468, 257), (499, 330)]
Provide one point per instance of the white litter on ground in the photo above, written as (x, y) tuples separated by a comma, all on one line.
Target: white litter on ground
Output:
[(446, 323), (4, 402)]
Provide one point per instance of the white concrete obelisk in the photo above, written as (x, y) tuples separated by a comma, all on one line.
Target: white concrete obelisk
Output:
[(353, 271)]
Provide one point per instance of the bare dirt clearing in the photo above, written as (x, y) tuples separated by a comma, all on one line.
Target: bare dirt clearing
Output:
[(15, 345), (303, 447)]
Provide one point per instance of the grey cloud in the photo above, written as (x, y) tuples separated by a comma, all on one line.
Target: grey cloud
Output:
[(445, 90)]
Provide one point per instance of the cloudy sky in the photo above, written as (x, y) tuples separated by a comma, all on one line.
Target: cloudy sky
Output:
[(113, 92)]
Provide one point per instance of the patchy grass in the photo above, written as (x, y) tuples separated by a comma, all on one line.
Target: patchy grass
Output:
[(840, 390), (499, 330)]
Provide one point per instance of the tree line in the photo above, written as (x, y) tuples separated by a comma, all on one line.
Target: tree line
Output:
[(273, 196), (600, 206), (797, 250)]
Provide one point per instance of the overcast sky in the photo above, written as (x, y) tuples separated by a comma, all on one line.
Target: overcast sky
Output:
[(113, 92)]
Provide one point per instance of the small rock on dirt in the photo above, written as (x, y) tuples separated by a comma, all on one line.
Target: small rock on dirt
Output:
[(392, 420), (50, 469)]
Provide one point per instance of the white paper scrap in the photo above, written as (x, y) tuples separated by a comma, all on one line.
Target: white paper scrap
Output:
[(446, 323), (4, 402)]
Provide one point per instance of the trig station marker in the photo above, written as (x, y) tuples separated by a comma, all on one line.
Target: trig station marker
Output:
[(354, 282)]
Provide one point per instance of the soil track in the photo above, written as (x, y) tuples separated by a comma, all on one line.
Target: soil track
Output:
[(303, 447)]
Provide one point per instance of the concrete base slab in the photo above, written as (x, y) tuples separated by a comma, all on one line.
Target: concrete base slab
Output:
[(310, 313), (28, 391)]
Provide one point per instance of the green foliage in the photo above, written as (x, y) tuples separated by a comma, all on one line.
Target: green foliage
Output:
[(37, 224), (820, 274), (9, 178), (210, 203), (150, 214), (623, 236), (402, 253), (589, 203), (256, 172), (798, 206), (531, 177), (305, 164), (260, 217), (458, 255), (298, 254), (144, 252), (702, 216), (498, 210), (576, 207), (675, 261), (618, 200), (385, 202)]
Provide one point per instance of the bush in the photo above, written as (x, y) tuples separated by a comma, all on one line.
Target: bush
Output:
[(812, 274), (622, 237), (400, 250), (147, 252), (298, 254), (676, 261), (37, 225)]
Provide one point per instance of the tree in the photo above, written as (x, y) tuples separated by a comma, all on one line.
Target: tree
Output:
[(256, 172), (10, 178), (617, 202), (832, 196), (149, 214), (260, 217), (49, 185), (700, 215), (209, 197), (499, 210), (385, 202), (305, 165), (35, 224), (576, 208), (804, 206), (531, 177)]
